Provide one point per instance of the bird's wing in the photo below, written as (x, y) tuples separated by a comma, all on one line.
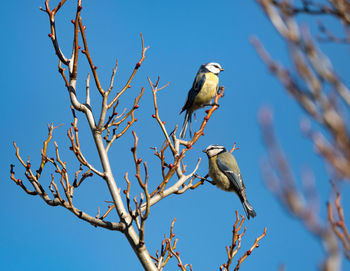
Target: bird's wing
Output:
[(198, 82), (226, 167), (196, 87)]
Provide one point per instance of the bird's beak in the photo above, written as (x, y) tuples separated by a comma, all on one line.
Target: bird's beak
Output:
[(204, 151), (221, 69)]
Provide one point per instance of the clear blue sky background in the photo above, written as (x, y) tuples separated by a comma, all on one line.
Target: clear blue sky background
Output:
[(181, 35)]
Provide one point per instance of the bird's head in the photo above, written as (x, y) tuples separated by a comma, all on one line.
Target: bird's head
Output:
[(212, 67), (213, 150)]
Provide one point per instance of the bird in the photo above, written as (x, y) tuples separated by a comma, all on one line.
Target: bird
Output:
[(204, 88), (225, 173)]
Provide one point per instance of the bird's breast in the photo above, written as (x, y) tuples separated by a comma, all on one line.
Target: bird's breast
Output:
[(208, 90), (218, 176)]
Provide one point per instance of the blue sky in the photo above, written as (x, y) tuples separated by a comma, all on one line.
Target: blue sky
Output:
[(181, 35)]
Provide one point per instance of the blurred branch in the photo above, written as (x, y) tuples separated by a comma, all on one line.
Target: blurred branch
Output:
[(336, 8), (280, 180), (317, 88), (328, 36), (339, 226), (309, 88)]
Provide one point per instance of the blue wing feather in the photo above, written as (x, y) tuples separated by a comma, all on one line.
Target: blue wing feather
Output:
[(196, 87), (234, 178)]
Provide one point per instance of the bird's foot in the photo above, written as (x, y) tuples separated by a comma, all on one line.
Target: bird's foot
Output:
[(212, 104), (205, 179)]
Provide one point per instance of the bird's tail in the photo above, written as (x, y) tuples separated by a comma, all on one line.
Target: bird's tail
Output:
[(249, 211), (185, 124)]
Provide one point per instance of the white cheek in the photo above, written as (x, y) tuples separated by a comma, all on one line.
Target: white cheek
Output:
[(213, 152), (213, 69)]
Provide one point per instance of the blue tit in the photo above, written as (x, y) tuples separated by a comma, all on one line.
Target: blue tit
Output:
[(203, 90), (225, 173)]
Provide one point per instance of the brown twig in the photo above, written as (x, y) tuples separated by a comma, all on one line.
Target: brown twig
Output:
[(137, 66), (127, 193), (112, 77), (110, 208), (236, 242), (143, 185), (55, 191), (133, 119), (248, 252), (57, 200), (53, 34), (86, 52), (168, 251), (20, 183), (179, 156), (155, 89), (234, 148)]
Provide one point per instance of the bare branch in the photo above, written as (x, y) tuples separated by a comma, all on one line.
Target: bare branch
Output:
[(248, 252), (137, 66)]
